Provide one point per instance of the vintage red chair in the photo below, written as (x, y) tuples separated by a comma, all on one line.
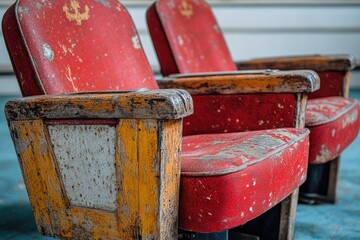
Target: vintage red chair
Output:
[(100, 155), (188, 39)]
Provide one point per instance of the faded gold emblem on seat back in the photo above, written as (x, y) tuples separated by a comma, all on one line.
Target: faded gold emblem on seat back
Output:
[(186, 9), (73, 13)]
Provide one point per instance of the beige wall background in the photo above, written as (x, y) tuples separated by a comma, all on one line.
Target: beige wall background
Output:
[(257, 28)]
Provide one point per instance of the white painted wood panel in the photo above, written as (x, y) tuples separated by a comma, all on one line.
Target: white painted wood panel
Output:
[(86, 160)]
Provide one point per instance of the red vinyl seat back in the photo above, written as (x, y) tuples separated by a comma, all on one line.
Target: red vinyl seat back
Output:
[(76, 46), (187, 38)]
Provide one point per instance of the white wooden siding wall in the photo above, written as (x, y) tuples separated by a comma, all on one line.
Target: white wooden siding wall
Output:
[(262, 29)]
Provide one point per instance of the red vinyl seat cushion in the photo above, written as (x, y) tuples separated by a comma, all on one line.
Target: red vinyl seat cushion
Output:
[(220, 190), (333, 124)]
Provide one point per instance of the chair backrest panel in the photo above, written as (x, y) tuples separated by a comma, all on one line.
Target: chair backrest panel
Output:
[(193, 35), (66, 41)]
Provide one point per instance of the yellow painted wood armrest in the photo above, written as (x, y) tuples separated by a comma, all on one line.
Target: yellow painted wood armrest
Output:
[(155, 104), (343, 62), (135, 161), (264, 81)]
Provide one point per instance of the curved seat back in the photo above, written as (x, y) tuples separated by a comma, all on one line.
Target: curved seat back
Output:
[(75, 46), (187, 38)]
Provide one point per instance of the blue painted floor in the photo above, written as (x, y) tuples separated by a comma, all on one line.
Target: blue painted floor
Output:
[(340, 221)]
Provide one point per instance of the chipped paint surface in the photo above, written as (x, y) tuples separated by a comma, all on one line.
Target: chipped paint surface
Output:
[(86, 158), (206, 155), (70, 78), (23, 10), (333, 132), (341, 127), (180, 40), (258, 189), (201, 38), (136, 42), (47, 52), (323, 155), (324, 110), (89, 70), (350, 119)]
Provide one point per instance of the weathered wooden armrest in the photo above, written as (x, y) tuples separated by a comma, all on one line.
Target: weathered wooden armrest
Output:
[(240, 82), (92, 170), (155, 104), (315, 62)]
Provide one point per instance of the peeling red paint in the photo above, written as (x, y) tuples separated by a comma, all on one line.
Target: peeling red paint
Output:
[(197, 45), (252, 193), (333, 124), (64, 50), (325, 110)]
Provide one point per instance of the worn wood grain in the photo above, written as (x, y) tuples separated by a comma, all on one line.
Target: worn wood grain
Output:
[(287, 216), (300, 110), (138, 182), (158, 104), (315, 62), (261, 82), (169, 205), (149, 187), (40, 175)]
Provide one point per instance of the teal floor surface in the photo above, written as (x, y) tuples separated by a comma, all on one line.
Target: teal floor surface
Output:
[(340, 221)]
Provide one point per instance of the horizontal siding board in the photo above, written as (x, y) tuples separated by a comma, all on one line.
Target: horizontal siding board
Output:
[(253, 19), (306, 17), (245, 46), (265, 28)]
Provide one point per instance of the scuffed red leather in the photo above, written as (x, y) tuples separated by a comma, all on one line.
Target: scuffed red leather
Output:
[(334, 123), (227, 182)]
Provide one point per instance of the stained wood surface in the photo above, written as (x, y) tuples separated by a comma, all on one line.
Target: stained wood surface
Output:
[(147, 169), (158, 104), (315, 62), (258, 82)]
